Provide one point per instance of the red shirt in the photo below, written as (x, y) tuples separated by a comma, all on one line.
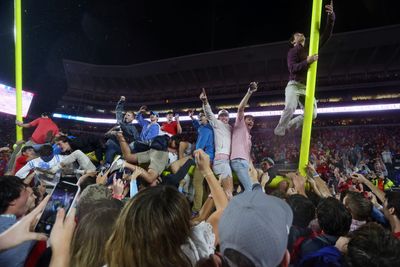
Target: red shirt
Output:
[(43, 126), (171, 128), (397, 235), (19, 163)]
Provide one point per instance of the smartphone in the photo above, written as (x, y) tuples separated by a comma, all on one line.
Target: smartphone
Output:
[(63, 196), (118, 174)]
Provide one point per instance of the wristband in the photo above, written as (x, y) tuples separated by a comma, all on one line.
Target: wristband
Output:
[(119, 197)]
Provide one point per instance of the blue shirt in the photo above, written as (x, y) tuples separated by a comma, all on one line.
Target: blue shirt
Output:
[(16, 256), (205, 138), (149, 130)]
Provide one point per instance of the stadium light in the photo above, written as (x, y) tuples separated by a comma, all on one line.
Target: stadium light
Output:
[(270, 113)]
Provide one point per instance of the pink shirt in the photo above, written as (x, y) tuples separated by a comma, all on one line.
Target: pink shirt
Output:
[(241, 141)]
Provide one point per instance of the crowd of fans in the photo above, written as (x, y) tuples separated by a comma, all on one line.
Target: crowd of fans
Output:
[(225, 199)]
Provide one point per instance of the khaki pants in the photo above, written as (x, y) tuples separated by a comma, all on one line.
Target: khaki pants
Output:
[(293, 93), (198, 189)]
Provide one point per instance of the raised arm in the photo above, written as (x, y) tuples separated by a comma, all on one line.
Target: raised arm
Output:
[(360, 178), (207, 108), (245, 100), (316, 180), (119, 109), (195, 122), (330, 22), (142, 122), (125, 149), (178, 124), (218, 195)]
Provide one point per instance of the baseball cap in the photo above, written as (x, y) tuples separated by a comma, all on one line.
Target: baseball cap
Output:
[(257, 225), (269, 160), (223, 112), (155, 113)]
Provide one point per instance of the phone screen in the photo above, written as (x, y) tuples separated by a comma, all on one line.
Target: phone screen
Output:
[(63, 196), (118, 174)]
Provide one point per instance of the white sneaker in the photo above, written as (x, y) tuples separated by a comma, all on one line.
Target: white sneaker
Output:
[(117, 164), (280, 131)]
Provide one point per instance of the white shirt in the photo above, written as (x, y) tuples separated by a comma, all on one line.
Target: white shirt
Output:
[(38, 163)]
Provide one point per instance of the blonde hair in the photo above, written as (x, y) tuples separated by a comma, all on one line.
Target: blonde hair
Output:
[(90, 237), (151, 230)]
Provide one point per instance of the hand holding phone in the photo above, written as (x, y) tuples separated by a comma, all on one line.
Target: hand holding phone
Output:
[(63, 196)]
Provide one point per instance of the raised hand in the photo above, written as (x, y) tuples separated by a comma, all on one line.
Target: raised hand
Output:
[(203, 95), (143, 109), (329, 8), (118, 186), (311, 169), (22, 231), (253, 87), (202, 160), (358, 177), (61, 236)]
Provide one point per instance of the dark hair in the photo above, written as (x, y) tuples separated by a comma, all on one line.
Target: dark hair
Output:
[(360, 207), (333, 217), (62, 138), (393, 201), (314, 197), (10, 190), (372, 246), (45, 114), (25, 148), (249, 116), (279, 194), (177, 138), (303, 210), (45, 150)]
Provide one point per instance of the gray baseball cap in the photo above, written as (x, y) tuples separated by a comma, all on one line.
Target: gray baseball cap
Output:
[(256, 225)]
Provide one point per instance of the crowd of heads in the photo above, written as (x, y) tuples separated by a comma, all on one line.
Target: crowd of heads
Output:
[(140, 209)]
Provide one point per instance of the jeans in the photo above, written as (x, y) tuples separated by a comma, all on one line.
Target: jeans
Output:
[(295, 93), (112, 148), (241, 167)]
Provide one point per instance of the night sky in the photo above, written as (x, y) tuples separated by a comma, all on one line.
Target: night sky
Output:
[(123, 32)]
